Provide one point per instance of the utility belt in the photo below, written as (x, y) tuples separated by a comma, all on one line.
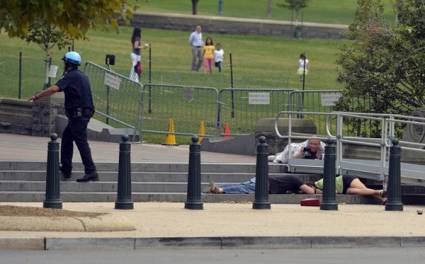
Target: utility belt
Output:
[(79, 112)]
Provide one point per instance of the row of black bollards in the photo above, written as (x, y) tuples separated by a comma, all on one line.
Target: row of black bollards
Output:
[(194, 196)]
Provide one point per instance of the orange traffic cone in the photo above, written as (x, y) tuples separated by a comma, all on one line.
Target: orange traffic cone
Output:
[(201, 132), (226, 130), (170, 139)]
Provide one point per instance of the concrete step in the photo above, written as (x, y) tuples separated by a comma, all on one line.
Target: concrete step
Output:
[(111, 186), (16, 175), (68, 186), (147, 167), (173, 197)]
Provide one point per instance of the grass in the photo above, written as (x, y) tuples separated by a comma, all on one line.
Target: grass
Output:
[(259, 61), (322, 11)]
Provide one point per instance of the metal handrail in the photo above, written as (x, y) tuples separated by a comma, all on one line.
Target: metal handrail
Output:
[(387, 125)]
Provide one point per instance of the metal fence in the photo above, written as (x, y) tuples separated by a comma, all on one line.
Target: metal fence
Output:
[(118, 100), (322, 101), (22, 74), (240, 108), (187, 106)]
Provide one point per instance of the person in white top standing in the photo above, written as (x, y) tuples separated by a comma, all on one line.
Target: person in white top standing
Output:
[(196, 42), (302, 66), (218, 56)]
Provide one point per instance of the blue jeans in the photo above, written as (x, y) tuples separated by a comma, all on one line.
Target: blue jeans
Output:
[(240, 188)]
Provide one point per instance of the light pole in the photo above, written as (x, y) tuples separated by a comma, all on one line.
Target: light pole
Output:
[(220, 7)]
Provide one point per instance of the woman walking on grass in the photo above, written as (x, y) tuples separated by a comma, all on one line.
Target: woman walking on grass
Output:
[(208, 55)]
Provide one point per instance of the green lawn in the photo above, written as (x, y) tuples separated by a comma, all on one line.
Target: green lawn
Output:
[(323, 11), (259, 62)]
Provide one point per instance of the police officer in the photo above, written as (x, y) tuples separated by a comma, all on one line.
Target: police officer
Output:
[(79, 109)]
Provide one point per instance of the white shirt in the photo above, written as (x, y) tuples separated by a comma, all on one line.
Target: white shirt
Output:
[(301, 63), (288, 152), (218, 55), (195, 39)]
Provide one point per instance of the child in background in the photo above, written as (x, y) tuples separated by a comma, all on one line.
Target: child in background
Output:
[(302, 65), (218, 56), (208, 55)]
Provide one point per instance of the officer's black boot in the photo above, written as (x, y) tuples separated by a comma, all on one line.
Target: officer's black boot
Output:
[(89, 177)]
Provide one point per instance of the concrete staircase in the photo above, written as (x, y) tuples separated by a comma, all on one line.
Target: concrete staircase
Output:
[(25, 182)]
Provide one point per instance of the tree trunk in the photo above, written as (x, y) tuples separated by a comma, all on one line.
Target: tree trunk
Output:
[(269, 8), (194, 7), (397, 10)]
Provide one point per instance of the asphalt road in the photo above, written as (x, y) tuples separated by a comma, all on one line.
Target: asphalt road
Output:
[(205, 256)]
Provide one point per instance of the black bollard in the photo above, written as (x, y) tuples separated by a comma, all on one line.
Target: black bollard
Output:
[(124, 197), (194, 200), (261, 177), (329, 174), (53, 195), (394, 202)]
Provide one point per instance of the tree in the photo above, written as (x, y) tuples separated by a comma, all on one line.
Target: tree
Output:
[(384, 63), (295, 6), (195, 7), (55, 23)]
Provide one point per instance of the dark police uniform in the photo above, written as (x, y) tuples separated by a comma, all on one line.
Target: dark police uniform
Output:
[(79, 109)]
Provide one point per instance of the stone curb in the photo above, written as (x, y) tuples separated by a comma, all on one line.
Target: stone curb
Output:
[(291, 242), (102, 223)]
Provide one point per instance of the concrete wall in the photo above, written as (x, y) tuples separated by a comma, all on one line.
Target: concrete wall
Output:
[(27, 118), (236, 26)]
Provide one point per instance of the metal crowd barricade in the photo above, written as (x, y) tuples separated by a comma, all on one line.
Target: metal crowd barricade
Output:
[(361, 167), (187, 106), (117, 98), (242, 107)]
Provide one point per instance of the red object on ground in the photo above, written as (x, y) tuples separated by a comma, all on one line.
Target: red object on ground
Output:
[(310, 202), (226, 130)]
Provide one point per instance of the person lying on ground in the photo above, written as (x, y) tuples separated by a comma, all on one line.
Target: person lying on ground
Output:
[(352, 185), (291, 184), (312, 148), (277, 185)]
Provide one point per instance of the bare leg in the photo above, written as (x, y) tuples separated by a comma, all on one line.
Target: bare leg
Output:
[(357, 187), (307, 189)]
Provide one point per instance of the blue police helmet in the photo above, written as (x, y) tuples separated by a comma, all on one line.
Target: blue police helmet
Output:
[(72, 57)]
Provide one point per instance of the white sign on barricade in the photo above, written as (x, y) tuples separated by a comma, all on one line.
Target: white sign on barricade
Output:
[(330, 99), (112, 81), (53, 71), (258, 98)]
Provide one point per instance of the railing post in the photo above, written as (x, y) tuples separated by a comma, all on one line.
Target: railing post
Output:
[(261, 177), (124, 194), (52, 197), (218, 123), (339, 131), (150, 80), (329, 195), (231, 86), (107, 103), (194, 199), (394, 202), (20, 76)]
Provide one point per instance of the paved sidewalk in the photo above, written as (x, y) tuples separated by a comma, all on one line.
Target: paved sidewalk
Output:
[(244, 20), (160, 223), (27, 148)]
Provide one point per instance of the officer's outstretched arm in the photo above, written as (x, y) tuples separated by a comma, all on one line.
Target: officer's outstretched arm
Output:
[(47, 92)]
